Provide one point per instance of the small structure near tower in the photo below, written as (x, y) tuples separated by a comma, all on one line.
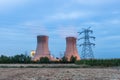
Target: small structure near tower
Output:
[(32, 53)]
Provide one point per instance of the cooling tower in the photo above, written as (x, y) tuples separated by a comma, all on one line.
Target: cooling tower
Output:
[(42, 49), (71, 49)]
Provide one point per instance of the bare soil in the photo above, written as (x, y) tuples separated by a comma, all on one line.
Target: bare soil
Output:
[(59, 74)]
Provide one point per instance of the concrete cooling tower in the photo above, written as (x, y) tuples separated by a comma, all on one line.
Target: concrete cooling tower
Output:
[(71, 49), (42, 49)]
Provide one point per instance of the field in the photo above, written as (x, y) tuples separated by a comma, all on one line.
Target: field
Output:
[(58, 73)]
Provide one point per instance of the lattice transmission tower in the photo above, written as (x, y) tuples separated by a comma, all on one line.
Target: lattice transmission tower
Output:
[(87, 52)]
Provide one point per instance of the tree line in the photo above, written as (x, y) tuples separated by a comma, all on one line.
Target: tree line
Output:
[(15, 59), (99, 62), (27, 59)]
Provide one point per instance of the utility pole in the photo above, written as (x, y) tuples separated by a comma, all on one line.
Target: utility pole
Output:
[(87, 52), (61, 54)]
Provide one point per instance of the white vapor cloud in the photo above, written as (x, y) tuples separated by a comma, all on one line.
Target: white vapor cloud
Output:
[(36, 28), (67, 31)]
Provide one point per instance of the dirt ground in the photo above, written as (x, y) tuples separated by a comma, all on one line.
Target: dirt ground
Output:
[(59, 74)]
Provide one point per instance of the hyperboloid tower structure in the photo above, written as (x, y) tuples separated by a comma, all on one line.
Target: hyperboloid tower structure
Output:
[(71, 49), (42, 49), (87, 52)]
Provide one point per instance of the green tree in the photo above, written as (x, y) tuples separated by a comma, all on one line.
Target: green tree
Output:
[(64, 60), (21, 59), (73, 59), (44, 60), (4, 59)]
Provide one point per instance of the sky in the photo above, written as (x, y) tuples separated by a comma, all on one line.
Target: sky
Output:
[(22, 20)]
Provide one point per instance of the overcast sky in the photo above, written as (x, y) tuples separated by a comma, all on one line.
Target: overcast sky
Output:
[(22, 20)]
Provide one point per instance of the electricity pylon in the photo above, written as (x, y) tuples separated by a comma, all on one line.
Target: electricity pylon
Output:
[(87, 52)]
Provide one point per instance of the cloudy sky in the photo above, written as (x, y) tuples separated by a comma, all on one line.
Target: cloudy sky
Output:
[(22, 20)]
